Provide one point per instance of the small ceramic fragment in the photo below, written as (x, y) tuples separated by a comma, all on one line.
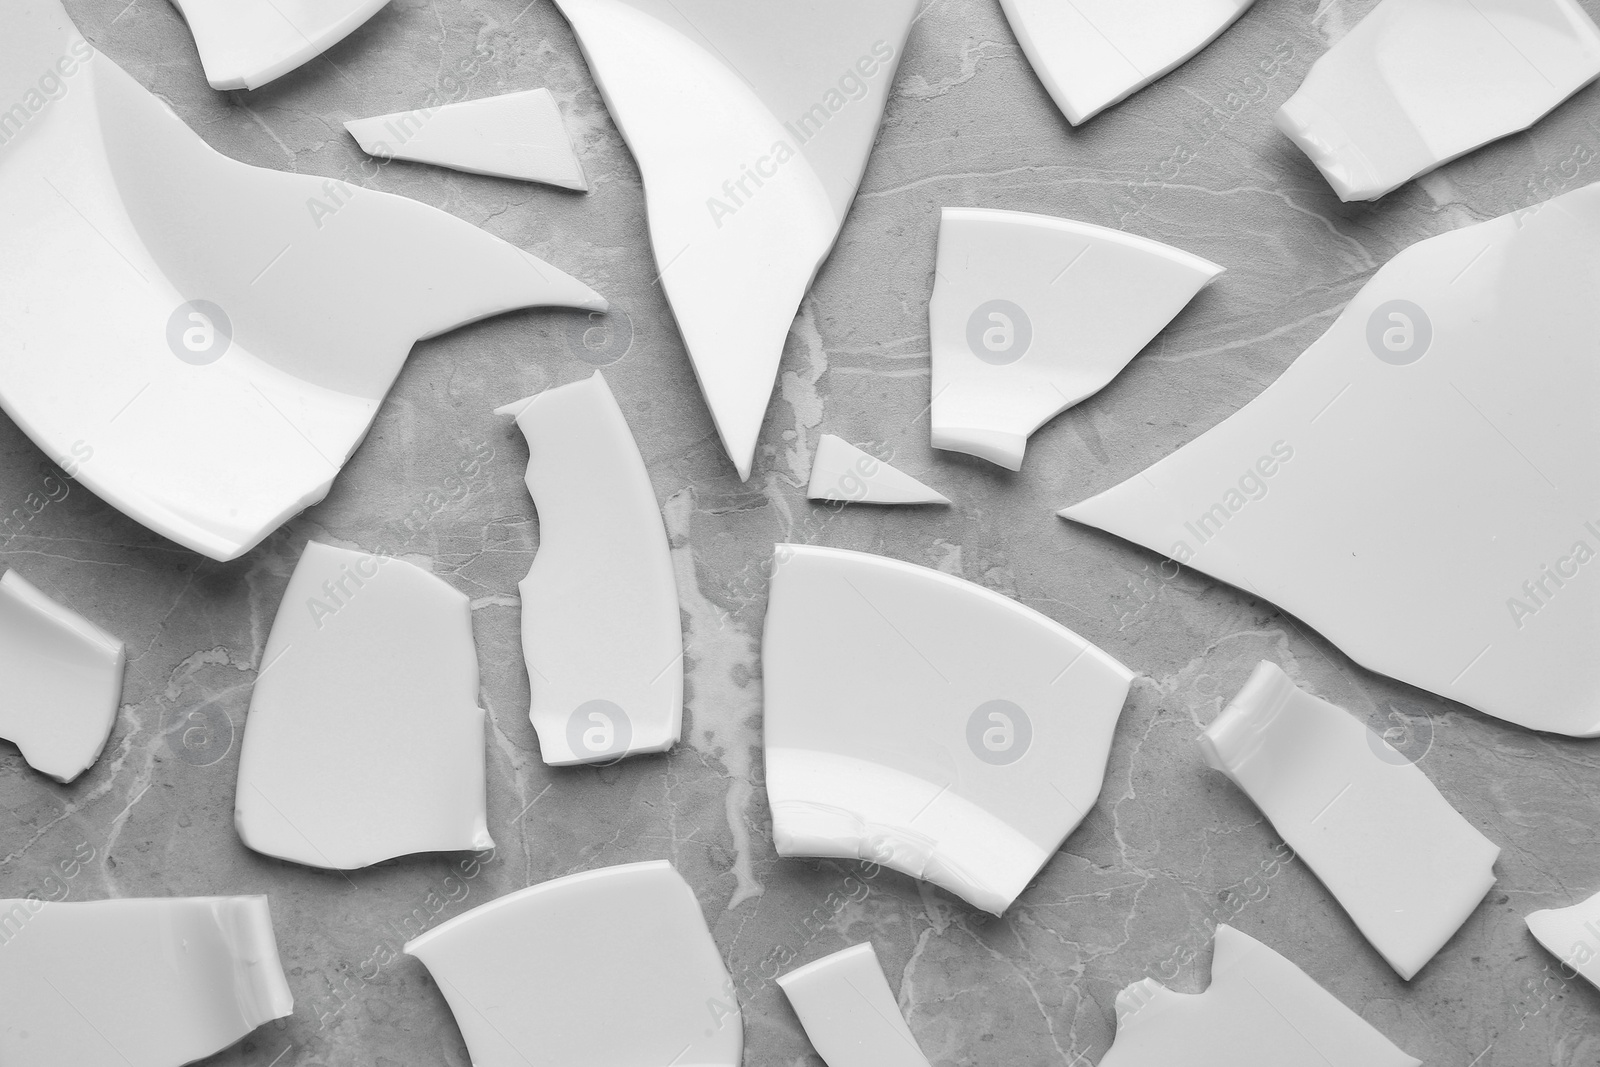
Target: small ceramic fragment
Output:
[(364, 740), (600, 626), (926, 723), (247, 323), (1404, 863), (751, 124), (609, 968), (1419, 82), (244, 44), (60, 681), (1260, 1010), (1413, 486), (1572, 934), (135, 983), (1031, 314), (1091, 54), (843, 473), (849, 1012), (515, 135)]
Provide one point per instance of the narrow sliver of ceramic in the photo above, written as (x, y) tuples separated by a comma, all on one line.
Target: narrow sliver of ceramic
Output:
[(841, 473), (849, 1012)]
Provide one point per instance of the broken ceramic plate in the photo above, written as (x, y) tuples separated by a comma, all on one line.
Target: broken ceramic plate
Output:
[(364, 740), (609, 968), (925, 723), (1260, 1010), (1403, 862), (1412, 486), (600, 626), (849, 1013), (1091, 54), (1031, 314), (135, 983), (843, 473), (247, 323), (515, 135), (1419, 82), (751, 124), (62, 680), (1572, 934), (244, 44)]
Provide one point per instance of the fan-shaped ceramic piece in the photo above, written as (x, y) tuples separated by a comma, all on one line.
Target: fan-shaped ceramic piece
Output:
[(207, 341), (1572, 934), (600, 626), (1419, 82), (843, 473), (1031, 314), (925, 723), (1091, 54), (1418, 484), (609, 968), (1259, 1011), (849, 1012), (515, 135), (751, 124), (60, 681), (135, 983), (244, 44), (364, 740)]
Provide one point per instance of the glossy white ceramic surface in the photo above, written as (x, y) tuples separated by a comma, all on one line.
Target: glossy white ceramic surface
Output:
[(1572, 934), (849, 1012), (843, 473), (244, 44)]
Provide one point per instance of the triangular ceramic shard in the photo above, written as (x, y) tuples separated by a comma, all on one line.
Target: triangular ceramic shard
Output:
[(609, 968), (1419, 82), (515, 135), (364, 740), (62, 680), (135, 983), (849, 1012), (244, 44), (1413, 486), (247, 322), (1091, 54), (751, 124), (1571, 934), (600, 626), (843, 473), (925, 723), (1031, 314), (1403, 862), (1260, 1010)]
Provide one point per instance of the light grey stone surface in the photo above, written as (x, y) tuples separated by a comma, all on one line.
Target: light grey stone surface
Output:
[(1170, 849)]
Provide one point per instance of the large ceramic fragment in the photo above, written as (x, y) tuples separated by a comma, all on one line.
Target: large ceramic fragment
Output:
[(364, 739), (244, 44), (246, 323), (1414, 486), (843, 473), (1573, 935), (751, 123), (1419, 82), (1092, 53), (60, 681), (609, 968), (849, 1012), (1403, 862), (926, 723), (600, 626), (1260, 1010), (515, 135), (135, 983), (1031, 314)]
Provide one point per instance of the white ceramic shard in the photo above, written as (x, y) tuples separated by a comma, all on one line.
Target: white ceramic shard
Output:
[(1414, 486), (1260, 1010), (751, 124), (514, 135), (60, 681), (364, 740), (1418, 83), (1572, 934), (247, 323), (609, 968), (1091, 54), (600, 626), (135, 983), (849, 1012), (244, 44), (1403, 862), (1031, 314), (843, 473), (926, 723)]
